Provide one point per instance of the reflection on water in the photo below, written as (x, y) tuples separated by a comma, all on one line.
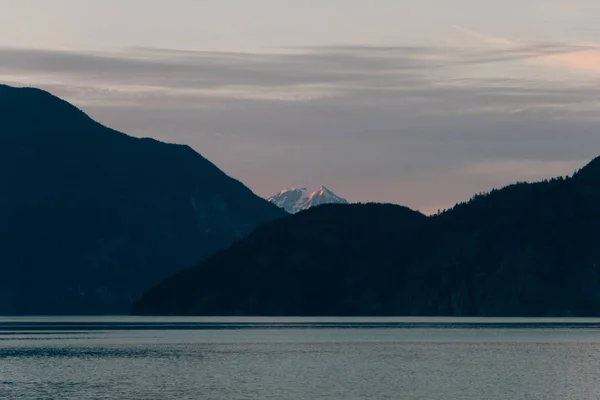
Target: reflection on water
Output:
[(298, 358)]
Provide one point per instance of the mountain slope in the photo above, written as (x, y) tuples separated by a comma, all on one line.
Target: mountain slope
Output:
[(295, 200), (90, 218), (311, 263), (524, 250)]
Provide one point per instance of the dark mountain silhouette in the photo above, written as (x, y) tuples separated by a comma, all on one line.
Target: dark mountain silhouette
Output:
[(529, 249), (90, 218), (322, 261)]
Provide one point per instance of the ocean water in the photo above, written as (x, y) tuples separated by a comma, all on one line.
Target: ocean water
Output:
[(299, 358)]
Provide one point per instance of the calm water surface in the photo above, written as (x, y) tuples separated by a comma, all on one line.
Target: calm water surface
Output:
[(298, 358)]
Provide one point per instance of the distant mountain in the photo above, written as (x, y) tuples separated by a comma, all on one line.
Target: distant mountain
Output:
[(90, 218), (529, 249), (295, 200), (291, 200)]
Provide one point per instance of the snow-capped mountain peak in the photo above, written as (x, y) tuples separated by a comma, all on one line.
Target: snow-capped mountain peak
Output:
[(294, 200)]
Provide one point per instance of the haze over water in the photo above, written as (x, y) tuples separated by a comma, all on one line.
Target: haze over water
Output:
[(298, 358)]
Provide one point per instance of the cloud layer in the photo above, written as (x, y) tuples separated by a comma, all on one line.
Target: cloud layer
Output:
[(422, 126)]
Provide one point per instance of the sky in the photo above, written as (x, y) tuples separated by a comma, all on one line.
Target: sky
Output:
[(420, 103)]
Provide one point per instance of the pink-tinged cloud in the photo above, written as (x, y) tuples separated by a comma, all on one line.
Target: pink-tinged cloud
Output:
[(586, 60), (584, 57), (487, 38)]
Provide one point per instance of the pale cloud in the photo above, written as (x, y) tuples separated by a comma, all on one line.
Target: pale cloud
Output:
[(587, 60), (584, 56), (395, 75), (487, 38)]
